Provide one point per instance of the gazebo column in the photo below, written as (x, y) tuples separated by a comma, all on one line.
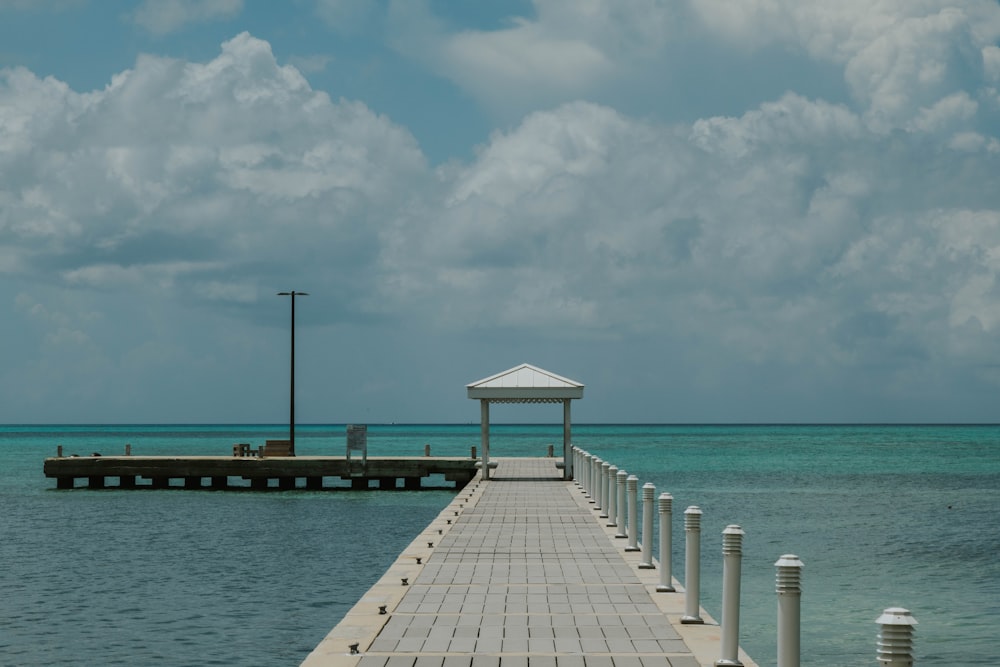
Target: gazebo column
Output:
[(567, 442), (484, 410)]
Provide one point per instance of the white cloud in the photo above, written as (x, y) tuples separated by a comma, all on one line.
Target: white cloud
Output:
[(567, 51), (899, 59), (179, 173), (796, 233), (778, 236), (164, 16)]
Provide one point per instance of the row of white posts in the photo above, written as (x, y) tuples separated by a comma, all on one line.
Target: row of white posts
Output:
[(615, 494)]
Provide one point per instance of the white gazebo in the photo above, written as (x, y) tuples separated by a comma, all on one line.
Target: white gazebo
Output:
[(525, 384)]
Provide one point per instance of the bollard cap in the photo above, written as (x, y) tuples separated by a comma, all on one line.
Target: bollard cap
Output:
[(693, 509), (622, 474), (665, 503), (732, 540), (788, 560), (896, 616)]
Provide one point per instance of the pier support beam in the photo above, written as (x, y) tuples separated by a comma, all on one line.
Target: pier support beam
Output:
[(126, 481), (484, 414), (314, 483), (567, 440)]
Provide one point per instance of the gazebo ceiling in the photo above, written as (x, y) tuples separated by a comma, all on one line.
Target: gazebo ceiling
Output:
[(525, 384)]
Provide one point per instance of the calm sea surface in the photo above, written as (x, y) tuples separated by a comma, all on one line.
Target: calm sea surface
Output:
[(880, 515)]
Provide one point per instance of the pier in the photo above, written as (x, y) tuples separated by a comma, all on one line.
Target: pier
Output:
[(520, 571), (254, 472)]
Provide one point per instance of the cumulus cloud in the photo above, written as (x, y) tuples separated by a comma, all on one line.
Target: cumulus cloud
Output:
[(213, 178), (800, 232), (904, 62), (564, 52), (164, 16), (792, 234)]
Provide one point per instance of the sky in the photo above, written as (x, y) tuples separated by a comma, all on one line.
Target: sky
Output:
[(703, 210)]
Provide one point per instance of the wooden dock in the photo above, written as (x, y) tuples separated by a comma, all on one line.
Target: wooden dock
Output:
[(277, 472), (519, 571)]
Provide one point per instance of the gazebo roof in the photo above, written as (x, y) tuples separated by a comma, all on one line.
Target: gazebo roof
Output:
[(525, 384)]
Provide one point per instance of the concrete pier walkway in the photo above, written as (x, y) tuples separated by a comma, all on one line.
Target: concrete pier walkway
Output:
[(519, 571)]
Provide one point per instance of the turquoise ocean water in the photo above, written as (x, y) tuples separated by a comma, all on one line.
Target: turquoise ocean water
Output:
[(880, 515)]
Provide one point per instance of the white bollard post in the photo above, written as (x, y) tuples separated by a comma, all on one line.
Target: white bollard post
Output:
[(665, 506), (633, 513), (598, 485), (788, 585), (605, 468), (588, 466), (594, 478), (612, 496), (574, 453), (895, 639), (622, 475), (732, 555), (648, 496), (692, 565), (602, 472)]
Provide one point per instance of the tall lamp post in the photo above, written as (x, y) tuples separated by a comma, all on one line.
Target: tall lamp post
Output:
[(291, 391)]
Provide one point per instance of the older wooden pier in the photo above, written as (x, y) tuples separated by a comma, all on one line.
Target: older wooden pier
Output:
[(277, 472), (519, 571)]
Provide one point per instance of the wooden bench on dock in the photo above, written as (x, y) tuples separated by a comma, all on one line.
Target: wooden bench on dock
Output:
[(278, 448)]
